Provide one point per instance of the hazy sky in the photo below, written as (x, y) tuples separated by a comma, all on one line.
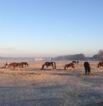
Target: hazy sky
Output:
[(50, 27)]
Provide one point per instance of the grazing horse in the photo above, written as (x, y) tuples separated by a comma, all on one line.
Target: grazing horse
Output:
[(24, 64), (17, 65), (100, 64), (13, 65), (47, 64), (69, 65)]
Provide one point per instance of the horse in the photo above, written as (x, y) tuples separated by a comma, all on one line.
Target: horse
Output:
[(87, 68), (69, 65), (24, 64), (100, 64), (19, 65), (47, 64), (13, 65)]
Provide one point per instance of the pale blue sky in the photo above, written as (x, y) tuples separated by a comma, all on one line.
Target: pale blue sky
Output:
[(50, 27)]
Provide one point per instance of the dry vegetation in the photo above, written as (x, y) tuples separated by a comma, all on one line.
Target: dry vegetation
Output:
[(34, 87)]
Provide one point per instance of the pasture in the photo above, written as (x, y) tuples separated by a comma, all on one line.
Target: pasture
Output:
[(31, 86)]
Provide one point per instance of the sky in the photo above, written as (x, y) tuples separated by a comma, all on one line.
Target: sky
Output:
[(50, 27)]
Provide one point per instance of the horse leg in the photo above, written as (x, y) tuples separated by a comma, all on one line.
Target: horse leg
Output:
[(65, 67), (53, 66), (27, 65), (14, 67), (22, 65), (98, 65), (73, 67), (42, 67)]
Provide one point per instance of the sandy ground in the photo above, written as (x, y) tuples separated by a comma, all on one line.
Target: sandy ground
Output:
[(34, 87)]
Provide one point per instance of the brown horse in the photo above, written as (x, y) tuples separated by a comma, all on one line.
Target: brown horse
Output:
[(17, 65), (47, 64), (13, 65), (100, 64), (69, 65), (24, 64)]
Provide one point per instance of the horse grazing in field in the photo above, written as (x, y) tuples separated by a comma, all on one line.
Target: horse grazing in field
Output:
[(69, 65), (100, 64), (47, 64), (18, 65), (24, 64), (13, 65)]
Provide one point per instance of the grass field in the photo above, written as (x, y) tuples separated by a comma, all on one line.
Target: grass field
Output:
[(34, 87)]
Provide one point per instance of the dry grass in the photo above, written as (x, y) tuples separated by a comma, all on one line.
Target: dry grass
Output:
[(34, 87)]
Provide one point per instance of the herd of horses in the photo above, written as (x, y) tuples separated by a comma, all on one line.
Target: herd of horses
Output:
[(66, 66), (53, 65), (15, 65)]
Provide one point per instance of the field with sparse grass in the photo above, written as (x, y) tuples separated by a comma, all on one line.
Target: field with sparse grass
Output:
[(34, 87)]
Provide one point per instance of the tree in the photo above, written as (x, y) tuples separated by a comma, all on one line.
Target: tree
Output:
[(100, 53)]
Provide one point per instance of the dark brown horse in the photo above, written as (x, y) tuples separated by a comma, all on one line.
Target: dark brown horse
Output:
[(100, 64), (24, 64), (69, 65), (47, 64)]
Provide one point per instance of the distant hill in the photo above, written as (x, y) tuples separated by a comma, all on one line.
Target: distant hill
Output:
[(71, 57)]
